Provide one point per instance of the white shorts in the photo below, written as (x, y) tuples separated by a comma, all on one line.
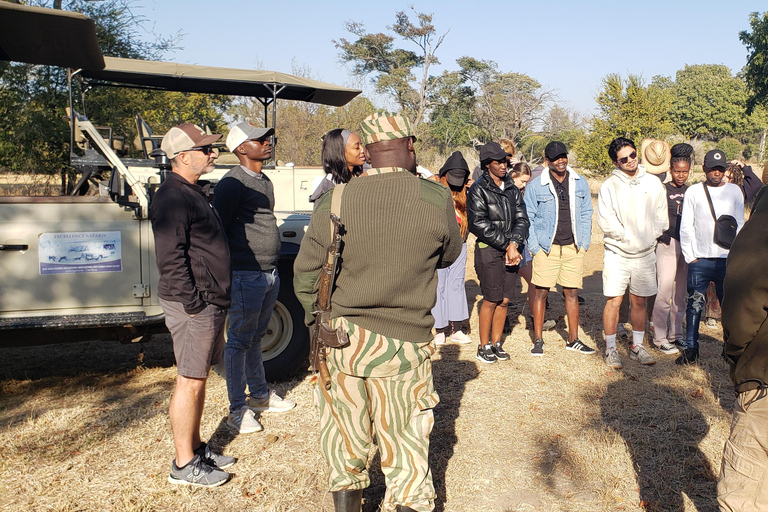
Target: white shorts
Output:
[(638, 273)]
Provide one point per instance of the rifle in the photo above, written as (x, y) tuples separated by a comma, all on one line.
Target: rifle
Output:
[(323, 334)]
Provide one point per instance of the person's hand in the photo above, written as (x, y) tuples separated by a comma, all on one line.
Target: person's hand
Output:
[(694, 261), (513, 161), (512, 256), (737, 163), (469, 182)]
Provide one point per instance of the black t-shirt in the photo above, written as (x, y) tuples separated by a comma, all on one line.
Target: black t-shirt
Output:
[(675, 208), (564, 229)]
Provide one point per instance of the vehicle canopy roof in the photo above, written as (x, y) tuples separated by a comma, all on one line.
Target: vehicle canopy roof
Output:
[(54, 37), (46, 36), (170, 76)]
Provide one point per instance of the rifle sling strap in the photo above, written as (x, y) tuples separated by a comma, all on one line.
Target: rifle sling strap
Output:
[(338, 190)]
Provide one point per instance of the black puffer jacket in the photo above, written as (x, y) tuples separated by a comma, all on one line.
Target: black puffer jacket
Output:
[(497, 217)]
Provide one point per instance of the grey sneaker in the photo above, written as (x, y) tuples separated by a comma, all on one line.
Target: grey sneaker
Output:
[(244, 421), (271, 403), (198, 472), (612, 359), (641, 355), (667, 348), (549, 325), (213, 458), (538, 348)]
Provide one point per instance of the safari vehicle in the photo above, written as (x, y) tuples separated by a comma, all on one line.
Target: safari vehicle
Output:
[(82, 267)]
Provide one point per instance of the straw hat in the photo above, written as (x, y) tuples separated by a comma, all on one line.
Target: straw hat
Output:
[(656, 155)]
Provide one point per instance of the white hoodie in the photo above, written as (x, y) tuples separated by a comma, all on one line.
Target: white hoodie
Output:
[(632, 212)]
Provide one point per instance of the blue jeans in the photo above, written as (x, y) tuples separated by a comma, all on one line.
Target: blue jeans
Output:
[(700, 273), (254, 294)]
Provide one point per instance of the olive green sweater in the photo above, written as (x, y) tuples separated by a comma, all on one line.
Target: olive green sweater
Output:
[(398, 229)]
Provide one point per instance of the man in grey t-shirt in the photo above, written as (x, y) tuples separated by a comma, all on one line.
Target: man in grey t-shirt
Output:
[(245, 200)]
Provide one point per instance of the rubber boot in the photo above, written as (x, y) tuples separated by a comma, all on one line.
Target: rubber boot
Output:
[(403, 508), (348, 500)]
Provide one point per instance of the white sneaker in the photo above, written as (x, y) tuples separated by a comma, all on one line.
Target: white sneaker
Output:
[(440, 338), (271, 403), (244, 421), (460, 337)]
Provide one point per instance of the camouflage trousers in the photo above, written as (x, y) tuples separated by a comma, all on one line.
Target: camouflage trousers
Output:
[(396, 408)]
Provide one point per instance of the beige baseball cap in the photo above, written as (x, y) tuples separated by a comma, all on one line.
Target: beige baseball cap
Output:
[(244, 131), (185, 137)]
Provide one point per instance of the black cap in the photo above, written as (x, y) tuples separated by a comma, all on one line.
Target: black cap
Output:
[(554, 149), (714, 159), (492, 151), (455, 169)]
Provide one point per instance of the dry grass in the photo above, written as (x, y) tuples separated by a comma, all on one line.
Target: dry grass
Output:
[(84, 427)]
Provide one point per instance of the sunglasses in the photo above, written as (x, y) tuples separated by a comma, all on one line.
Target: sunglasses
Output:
[(560, 192), (626, 159), (207, 150)]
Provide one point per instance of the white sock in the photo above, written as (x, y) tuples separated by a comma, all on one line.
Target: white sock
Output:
[(637, 338), (610, 342)]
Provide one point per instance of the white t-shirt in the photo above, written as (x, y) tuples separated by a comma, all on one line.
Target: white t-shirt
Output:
[(697, 227)]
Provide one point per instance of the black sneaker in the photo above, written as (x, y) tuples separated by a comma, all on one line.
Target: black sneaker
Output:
[(499, 352), (485, 354), (213, 458), (538, 348), (690, 356), (198, 472), (577, 346)]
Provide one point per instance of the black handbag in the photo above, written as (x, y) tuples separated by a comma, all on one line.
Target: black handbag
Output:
[(725, 225)]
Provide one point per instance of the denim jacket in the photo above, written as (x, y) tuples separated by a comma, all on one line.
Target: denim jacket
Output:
[(541, 204)]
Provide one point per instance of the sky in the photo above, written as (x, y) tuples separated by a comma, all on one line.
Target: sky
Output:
[(568, 46)]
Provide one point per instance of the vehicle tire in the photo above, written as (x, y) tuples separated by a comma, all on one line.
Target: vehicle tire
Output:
[(285, 346)]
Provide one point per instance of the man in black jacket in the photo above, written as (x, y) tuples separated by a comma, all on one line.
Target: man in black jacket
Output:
[(496, 215), (744, 471), (193, 260)]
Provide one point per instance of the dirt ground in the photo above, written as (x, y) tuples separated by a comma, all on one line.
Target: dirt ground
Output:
[(84, 427)]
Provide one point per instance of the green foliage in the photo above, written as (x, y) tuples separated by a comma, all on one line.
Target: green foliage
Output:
[(709, 102), (627, 108), (478, 103), (393, 68), (731, 147), (756, 70)]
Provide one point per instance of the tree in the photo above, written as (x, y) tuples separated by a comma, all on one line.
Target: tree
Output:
[(626, 108), (709, 102), (756, 70), (393, 68)]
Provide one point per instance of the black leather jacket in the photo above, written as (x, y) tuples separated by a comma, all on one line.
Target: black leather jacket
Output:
[(497, 217)]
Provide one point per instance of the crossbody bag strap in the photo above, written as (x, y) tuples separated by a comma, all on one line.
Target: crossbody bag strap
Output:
[(336, 194), (709, 199)]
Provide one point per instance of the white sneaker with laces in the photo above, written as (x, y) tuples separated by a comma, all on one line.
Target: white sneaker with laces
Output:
[(271, 403), (440, 338), (460, 337), (641, 355), (244, 421)]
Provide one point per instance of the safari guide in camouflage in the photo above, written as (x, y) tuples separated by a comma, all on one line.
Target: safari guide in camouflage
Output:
[(397, 230)]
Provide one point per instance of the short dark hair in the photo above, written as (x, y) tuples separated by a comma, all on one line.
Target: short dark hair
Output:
[(681, 153), (616, 144)]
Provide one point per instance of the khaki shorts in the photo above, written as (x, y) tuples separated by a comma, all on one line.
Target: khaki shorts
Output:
[(638, 273), (198, 341), (564, 265)]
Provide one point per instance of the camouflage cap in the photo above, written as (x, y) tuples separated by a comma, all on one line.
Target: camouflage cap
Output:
[(384, 125)]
